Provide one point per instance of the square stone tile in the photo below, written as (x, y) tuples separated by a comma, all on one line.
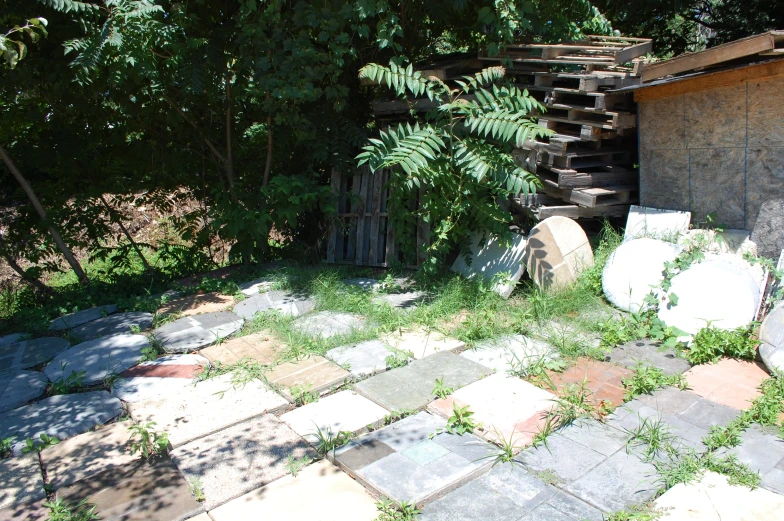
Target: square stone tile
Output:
[(730, 382), (206, 408), (20, 481), (315, 373), (197, 303), (762, 449), (241, 458), (421, 342), (87, 454), (417, 469), (261, 347), (343, 411), (499, 353), (144, 491), (648, 353), (506, 406), (562, 458), (35, 511), (362, 359), (411, 387), (320, 492), (328, 324), (603, 379)]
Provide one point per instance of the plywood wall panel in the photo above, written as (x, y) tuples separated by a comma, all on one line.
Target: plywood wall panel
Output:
[(766, 112), (716, 117), (718, 185), (664, 179), (662, 124), (765, 179)]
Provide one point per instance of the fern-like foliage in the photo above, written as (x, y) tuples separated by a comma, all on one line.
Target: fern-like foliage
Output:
[(70, 6), (402, 80)]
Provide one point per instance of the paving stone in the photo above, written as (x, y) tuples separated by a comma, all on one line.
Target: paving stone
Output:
[(362, 359), (254, 287), (144, 491), (261, 347), (713, 499), (493, 260), (421, 343), (557, 251), (208, 407), (30, 353), (562, 458), (314, 373), (763, 451), (503, 352), (88, 454), (655, 223), (98, 358), (328, 324), (191, 333), (418, 469), (197, 303), (411, 387), (13, 338), (116, 324), (241, 458), (730, 382), (363, 283), (287, 304), (647, 352), (595, 435), (72, 320), (506, 406), (158, 378), (34, 511), (331, 496), (343, 411), (403, 300), (20, 481), (63, 416), (602, 379), (16, 389), (634, 269)]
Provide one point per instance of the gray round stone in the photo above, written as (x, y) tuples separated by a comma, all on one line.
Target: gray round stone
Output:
[(286, 303), (327, 324), (18, 389), (197, 331), (633, 269), (12, 338), (772, 337), (117, 324), (30, 353), (81, 317), (98, 358)]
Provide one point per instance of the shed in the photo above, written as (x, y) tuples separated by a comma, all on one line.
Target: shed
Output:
[(711, 131)]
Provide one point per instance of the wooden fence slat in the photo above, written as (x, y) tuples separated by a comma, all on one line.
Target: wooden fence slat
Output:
[(341, 238), (361, 254), (375, 247), (351, 247), (423, 233), (333, 232)]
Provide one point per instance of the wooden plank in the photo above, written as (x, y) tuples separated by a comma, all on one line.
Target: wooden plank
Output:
[(635, 51), (342, 201), (715, 55), (361, 253), (710, 81), (374, 219)]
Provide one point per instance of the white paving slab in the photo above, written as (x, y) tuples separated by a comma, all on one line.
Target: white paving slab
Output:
[(159, 378), (421, 343), (18, 389), (327, 324), (494, 260), (20, 481), (362, 359), (501, 353), (30, 353), (655, 223), (254, 287), (557, 252), (98, 358), (287, 304), (80, 317), (197, 331)]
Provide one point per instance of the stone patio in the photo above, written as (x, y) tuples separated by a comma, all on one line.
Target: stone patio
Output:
[(261, 347), (116, 324), (762, 449), (30, 353), (421, 343), (287, 304), (159, 378), (500, 353), (733, 383), (630, 354), (315, 374), (191, 333), (362, 359)]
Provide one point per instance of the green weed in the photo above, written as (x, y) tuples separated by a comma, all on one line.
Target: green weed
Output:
[(60, 510), (711, 344), (534, 369), (573, 403), (391, 511), (636, 513), (147, 441), (302, 394), (327, 441), (441, 390), (32, 446), (196, 489), (653, 436), (647, 379), (5, 446), (398, 358), (67, 385), (461, 421), (294, 465)]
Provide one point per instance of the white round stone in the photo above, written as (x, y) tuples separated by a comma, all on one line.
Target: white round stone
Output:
[(633, 269), (98, 358), (772, 337)]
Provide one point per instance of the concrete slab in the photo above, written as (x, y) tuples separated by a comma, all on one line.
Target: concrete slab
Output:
[(363, 283), (315, 373), (494, 260), (288, 304), (563, 459), (730, 382), (261, 347), (20, 481), (648, 353), (362, 359), (30, 353), (78, 318), (85, 455), (331, 496), (197, 303), (241, 458), (713, 499), (13, 338), (98, 359), (191, 333), (63, 416), (421, 342), (556, 253), (328, 324), (508, 407), (411, 387), (256, 286), (762, 449), (655, 223), (208, 407), (343, 411), (116, 324), (144, 491), (406, 300), (19, 388), (501, 353), (159, 378), (34, 511), (417, 469)]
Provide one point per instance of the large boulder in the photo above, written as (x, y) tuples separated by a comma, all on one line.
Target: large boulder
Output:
[(772, 337), (634, 269), (556, 252)]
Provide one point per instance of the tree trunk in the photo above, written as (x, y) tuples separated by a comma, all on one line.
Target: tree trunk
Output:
[(117, 219), (37, 284), (42, 213)]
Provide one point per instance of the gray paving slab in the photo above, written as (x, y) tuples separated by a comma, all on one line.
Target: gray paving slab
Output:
[(328, 324), (19, 388), (116, 324), (33, 511), (20, 481), (595, 435), (241, 458), (648, 353), (762, 449), (256, 286), (30, 353), (159, 378), (63, 416), (411, 387), (197, 331), (501, 353), (78, 318), (362, 359), (403, 300), (13, 338), (288, 304), (562, 458), (363, 283), (98, 358)]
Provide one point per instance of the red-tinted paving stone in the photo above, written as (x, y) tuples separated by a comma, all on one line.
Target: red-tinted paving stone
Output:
[(602, 379), (730, 382), (164, 371)]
